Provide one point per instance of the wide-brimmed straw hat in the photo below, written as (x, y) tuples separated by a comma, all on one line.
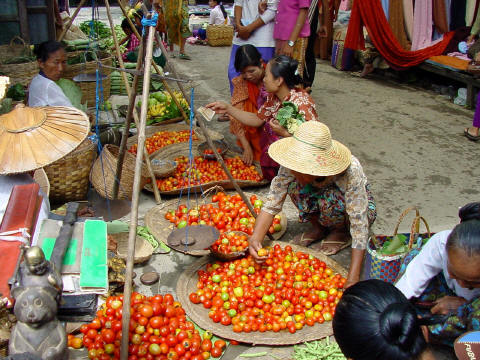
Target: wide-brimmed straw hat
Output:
[(311, 151), (31, 138)]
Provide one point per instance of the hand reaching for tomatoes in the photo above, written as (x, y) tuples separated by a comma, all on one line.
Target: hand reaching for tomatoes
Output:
[(254, 247)]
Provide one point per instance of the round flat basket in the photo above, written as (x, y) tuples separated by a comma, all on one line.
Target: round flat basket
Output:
[(187, 283), (220, 145), (162, 168), (231, 256), (143, 249)]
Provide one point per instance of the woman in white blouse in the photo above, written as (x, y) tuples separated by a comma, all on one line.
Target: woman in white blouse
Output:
[(218, 14), (43, 91)]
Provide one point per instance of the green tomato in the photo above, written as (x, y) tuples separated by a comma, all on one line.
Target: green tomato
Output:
[(244, 221), (258, 203), (238, 291), (309, 313), (286, 303), (184, 210), (267, 299), (279, 271), (203, 222), (226, 305), (232, 312), (323, 295), (251, 270), (215, 266), (224, 296), (277, 227), (181, 224), (231, 266), (216, 278), (225, 241)]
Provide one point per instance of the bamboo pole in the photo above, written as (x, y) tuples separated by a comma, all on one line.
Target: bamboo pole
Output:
[(130, 94), (135, 198), (72, 18), (155, 66)]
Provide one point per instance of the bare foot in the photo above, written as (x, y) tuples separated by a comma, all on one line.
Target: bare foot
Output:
[(367, 69), (334, 242), (472, 130)]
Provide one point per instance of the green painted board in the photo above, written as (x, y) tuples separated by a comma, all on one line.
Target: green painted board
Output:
[(94, 268)]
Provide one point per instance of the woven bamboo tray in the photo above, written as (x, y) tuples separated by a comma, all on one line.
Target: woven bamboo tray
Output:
[(88, 67), (187, 283), (89, 94), (143, 249), (219, 35), (160, 227)]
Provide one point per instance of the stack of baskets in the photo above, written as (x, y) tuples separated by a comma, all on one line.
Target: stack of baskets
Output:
[(219, 35), (22, 72)]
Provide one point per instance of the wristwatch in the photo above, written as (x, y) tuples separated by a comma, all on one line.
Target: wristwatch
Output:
[(291, 43)]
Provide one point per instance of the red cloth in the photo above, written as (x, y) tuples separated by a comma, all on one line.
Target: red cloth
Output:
[(369, 13)]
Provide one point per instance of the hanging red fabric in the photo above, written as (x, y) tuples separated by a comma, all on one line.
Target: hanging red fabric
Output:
[(369, 13)]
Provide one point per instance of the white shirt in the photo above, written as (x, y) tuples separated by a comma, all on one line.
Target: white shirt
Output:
[(263, 36), (7, 182), (44, 92), (216, 16), (431, 260)]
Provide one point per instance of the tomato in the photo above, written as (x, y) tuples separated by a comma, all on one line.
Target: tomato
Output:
[(95, 324), (146, 310), (216, 352), (108, 335), (206, 345)]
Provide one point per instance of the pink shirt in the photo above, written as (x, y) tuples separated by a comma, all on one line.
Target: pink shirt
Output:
[(287, 13)]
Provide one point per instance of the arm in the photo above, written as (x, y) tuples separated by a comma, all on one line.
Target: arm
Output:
[(323, 19), (245, 117), (247, 155), (302, 16), (262, 223)]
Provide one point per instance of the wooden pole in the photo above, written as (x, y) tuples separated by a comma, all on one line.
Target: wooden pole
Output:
[(72, 18), (201, 122), (155, 66), (123, 144), (135, 198)]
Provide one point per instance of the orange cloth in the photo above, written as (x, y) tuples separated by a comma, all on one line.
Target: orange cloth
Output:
[(451, 61), (244, 97)]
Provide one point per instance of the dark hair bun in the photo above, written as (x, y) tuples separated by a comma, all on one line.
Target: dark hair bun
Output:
[(397, 324), (470, 211), (286, 67), (43, 50)]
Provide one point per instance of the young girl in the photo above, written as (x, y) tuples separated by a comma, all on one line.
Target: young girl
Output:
[(218, 14)]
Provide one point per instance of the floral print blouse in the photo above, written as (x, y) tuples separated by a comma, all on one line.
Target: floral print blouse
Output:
[(352, 183)]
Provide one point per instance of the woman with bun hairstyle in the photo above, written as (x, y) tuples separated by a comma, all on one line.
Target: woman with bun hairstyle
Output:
[(280, 81), (374, 321), (52, 61), (445, 277)]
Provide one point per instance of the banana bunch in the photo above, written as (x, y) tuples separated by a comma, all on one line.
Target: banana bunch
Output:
[(156, 110)]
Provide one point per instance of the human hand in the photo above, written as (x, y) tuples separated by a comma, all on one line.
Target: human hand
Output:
[(447, 304), (278, 129), (471, 39), (243, 32), (322, 31), (254, 245), (219, 107), (262, 6), (351, 280), (247, 156), (286, 50)]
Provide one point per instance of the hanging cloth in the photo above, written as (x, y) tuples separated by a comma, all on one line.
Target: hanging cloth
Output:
[(369, 13), (408, 16), (422, 25), (457, 13), (397, 23), (440, 16), (470, 11)]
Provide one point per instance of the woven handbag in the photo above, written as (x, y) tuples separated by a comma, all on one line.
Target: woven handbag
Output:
[(387, 267), (219, 35)]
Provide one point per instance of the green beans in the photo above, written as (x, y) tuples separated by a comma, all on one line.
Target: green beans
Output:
[(318, 350), (263, 353)]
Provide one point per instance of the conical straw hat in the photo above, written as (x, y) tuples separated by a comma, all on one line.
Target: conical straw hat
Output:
[(31, 138), (311, 151)]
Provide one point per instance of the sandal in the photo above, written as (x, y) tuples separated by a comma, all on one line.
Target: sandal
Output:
[(303, 240), (469, 136), (184, 57), (333, 250)]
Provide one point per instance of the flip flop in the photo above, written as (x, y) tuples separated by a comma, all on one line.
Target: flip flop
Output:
[(304, 240), (184, 57), (470, 136), (343, 245)]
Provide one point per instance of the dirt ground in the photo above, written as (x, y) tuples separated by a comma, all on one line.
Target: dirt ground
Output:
[(409, 141)]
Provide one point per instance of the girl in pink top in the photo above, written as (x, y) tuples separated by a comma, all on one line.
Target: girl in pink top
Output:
[(292, 30)]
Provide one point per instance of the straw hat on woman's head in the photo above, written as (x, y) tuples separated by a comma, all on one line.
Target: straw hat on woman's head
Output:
[(311, 151)]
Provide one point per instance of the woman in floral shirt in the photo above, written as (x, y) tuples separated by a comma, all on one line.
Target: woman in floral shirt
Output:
[(328, 186), (281, 79)]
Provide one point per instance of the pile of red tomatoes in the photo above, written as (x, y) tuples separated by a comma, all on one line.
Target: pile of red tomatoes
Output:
[(290, 290), (164, 138), (159, 330), (204, 171), (226, 213), (230, 242), (210, 151)]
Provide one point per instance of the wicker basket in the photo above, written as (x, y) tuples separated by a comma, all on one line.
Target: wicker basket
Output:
[(20, 73), (89, 94), (219, 35), (103, 172), (68, 176), (15, 48), (88, 67)]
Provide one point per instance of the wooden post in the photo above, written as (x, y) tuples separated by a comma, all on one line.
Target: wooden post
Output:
[(72, 18), (131, 94), (127, 293), (155, 66)]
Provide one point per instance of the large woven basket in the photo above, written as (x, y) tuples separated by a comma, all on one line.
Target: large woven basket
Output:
[(68, 176), (17, 47), (219, 35), (88, 67), (104, 170), (89, 94), (20, 73)]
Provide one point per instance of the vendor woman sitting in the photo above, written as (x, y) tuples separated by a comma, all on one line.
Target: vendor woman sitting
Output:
[(446, 275), (43, 91), (328, 186)]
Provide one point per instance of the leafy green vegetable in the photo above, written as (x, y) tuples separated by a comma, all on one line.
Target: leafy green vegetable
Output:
[(5, 105), (289, 117), (395, 246), (72, 92), (16, 92), (100, 29)]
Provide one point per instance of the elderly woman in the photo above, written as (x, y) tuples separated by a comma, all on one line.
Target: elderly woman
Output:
[(328, 186), (43, 91)]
